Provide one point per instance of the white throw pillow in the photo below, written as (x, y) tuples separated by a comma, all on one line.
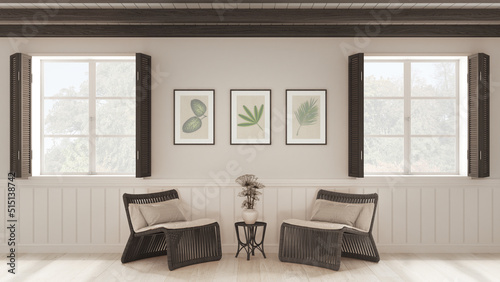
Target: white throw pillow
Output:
[(162, 212), (365, 217), (335, 212), (136, 217)]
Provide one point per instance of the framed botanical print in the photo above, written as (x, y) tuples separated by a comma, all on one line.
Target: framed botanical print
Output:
[(306, 117), (194, 117), (250, 117)]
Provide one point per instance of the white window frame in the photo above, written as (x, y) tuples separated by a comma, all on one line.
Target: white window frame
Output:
[(461, 112), (92, 98)]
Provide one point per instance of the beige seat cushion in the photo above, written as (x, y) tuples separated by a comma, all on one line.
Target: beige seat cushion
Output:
[(315, 224), (318, 224), (179, 224)]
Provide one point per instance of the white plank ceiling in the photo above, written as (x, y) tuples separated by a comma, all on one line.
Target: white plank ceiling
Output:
[(220, 5)]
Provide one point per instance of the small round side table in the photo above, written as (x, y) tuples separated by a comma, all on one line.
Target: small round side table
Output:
[(250, 243)]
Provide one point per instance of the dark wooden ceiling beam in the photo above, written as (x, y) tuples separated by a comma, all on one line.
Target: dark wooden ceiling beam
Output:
[(249, 31), (243, 16), (243, 1)]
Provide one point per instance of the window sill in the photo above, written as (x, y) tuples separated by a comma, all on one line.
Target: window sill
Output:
[(416, 176), (424, 181), (79, 180)]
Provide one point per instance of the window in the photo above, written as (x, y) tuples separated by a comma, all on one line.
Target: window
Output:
[(415, 115), (22, 113), (87, 112)]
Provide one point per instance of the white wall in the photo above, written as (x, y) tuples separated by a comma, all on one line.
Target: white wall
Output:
[(415, 214)]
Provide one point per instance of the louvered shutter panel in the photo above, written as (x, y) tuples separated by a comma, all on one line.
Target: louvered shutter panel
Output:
[(143, 115), (20, 115), (356, 115), (479, 116)]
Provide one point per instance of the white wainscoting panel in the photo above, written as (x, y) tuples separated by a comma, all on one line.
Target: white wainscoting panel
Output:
[(25, 213), (40, 215), (425, 216), (457, 215), (112, 211), (428, 216), (413, 219), (55, 215), (496, 216), (3, 215), (442, 208)]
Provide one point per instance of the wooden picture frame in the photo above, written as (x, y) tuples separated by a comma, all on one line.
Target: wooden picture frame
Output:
[(194, 117), (306, 117), (250, 117)]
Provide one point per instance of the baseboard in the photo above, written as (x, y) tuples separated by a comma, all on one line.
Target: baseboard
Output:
[(438, 249), (69, 248), (232, 248), (102, 248), (269, 248)]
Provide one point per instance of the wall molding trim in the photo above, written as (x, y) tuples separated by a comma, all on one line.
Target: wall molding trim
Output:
[(374, 181)]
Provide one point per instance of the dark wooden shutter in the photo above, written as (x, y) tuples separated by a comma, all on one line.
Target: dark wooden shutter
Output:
[(479, 116), (143, 115), (20, 115), (356, 115)]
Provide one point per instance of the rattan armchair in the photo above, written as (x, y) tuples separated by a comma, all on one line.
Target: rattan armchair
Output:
[(184, 243), (322, 243)]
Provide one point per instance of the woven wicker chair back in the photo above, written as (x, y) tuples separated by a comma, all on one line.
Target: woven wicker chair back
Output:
[(146, 199), (351, 199)]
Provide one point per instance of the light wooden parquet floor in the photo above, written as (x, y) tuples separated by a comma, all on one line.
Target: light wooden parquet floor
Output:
[(392, 267)]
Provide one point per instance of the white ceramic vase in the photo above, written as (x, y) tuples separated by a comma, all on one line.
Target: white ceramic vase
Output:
[(249, 216)]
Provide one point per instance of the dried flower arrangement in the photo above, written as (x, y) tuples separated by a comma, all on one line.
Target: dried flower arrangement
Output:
[(250, 190)]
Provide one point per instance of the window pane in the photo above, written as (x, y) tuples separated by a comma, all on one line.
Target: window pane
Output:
[(66, 117), (384, 154), (115, 79), (437, 79), (115, 155), (384, 116), (115, 116), (433, 117), (384, 79), (433, 154), (66, 79), (66, 155)]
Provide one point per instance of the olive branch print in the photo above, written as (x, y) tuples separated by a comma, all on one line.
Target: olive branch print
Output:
[(307, 113)]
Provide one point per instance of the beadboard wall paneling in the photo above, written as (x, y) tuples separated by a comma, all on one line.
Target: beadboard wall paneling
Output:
[(496, 216), (55, 216), (413, 207), (3, 217), (69, 223), (410, 218), (457, 215), (40, 217), (112, 211), (25, 214)]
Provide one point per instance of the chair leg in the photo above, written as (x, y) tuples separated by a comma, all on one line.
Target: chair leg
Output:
[(360, 247), (193, 245), (310, 246), (144, 247), (128, 252)]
